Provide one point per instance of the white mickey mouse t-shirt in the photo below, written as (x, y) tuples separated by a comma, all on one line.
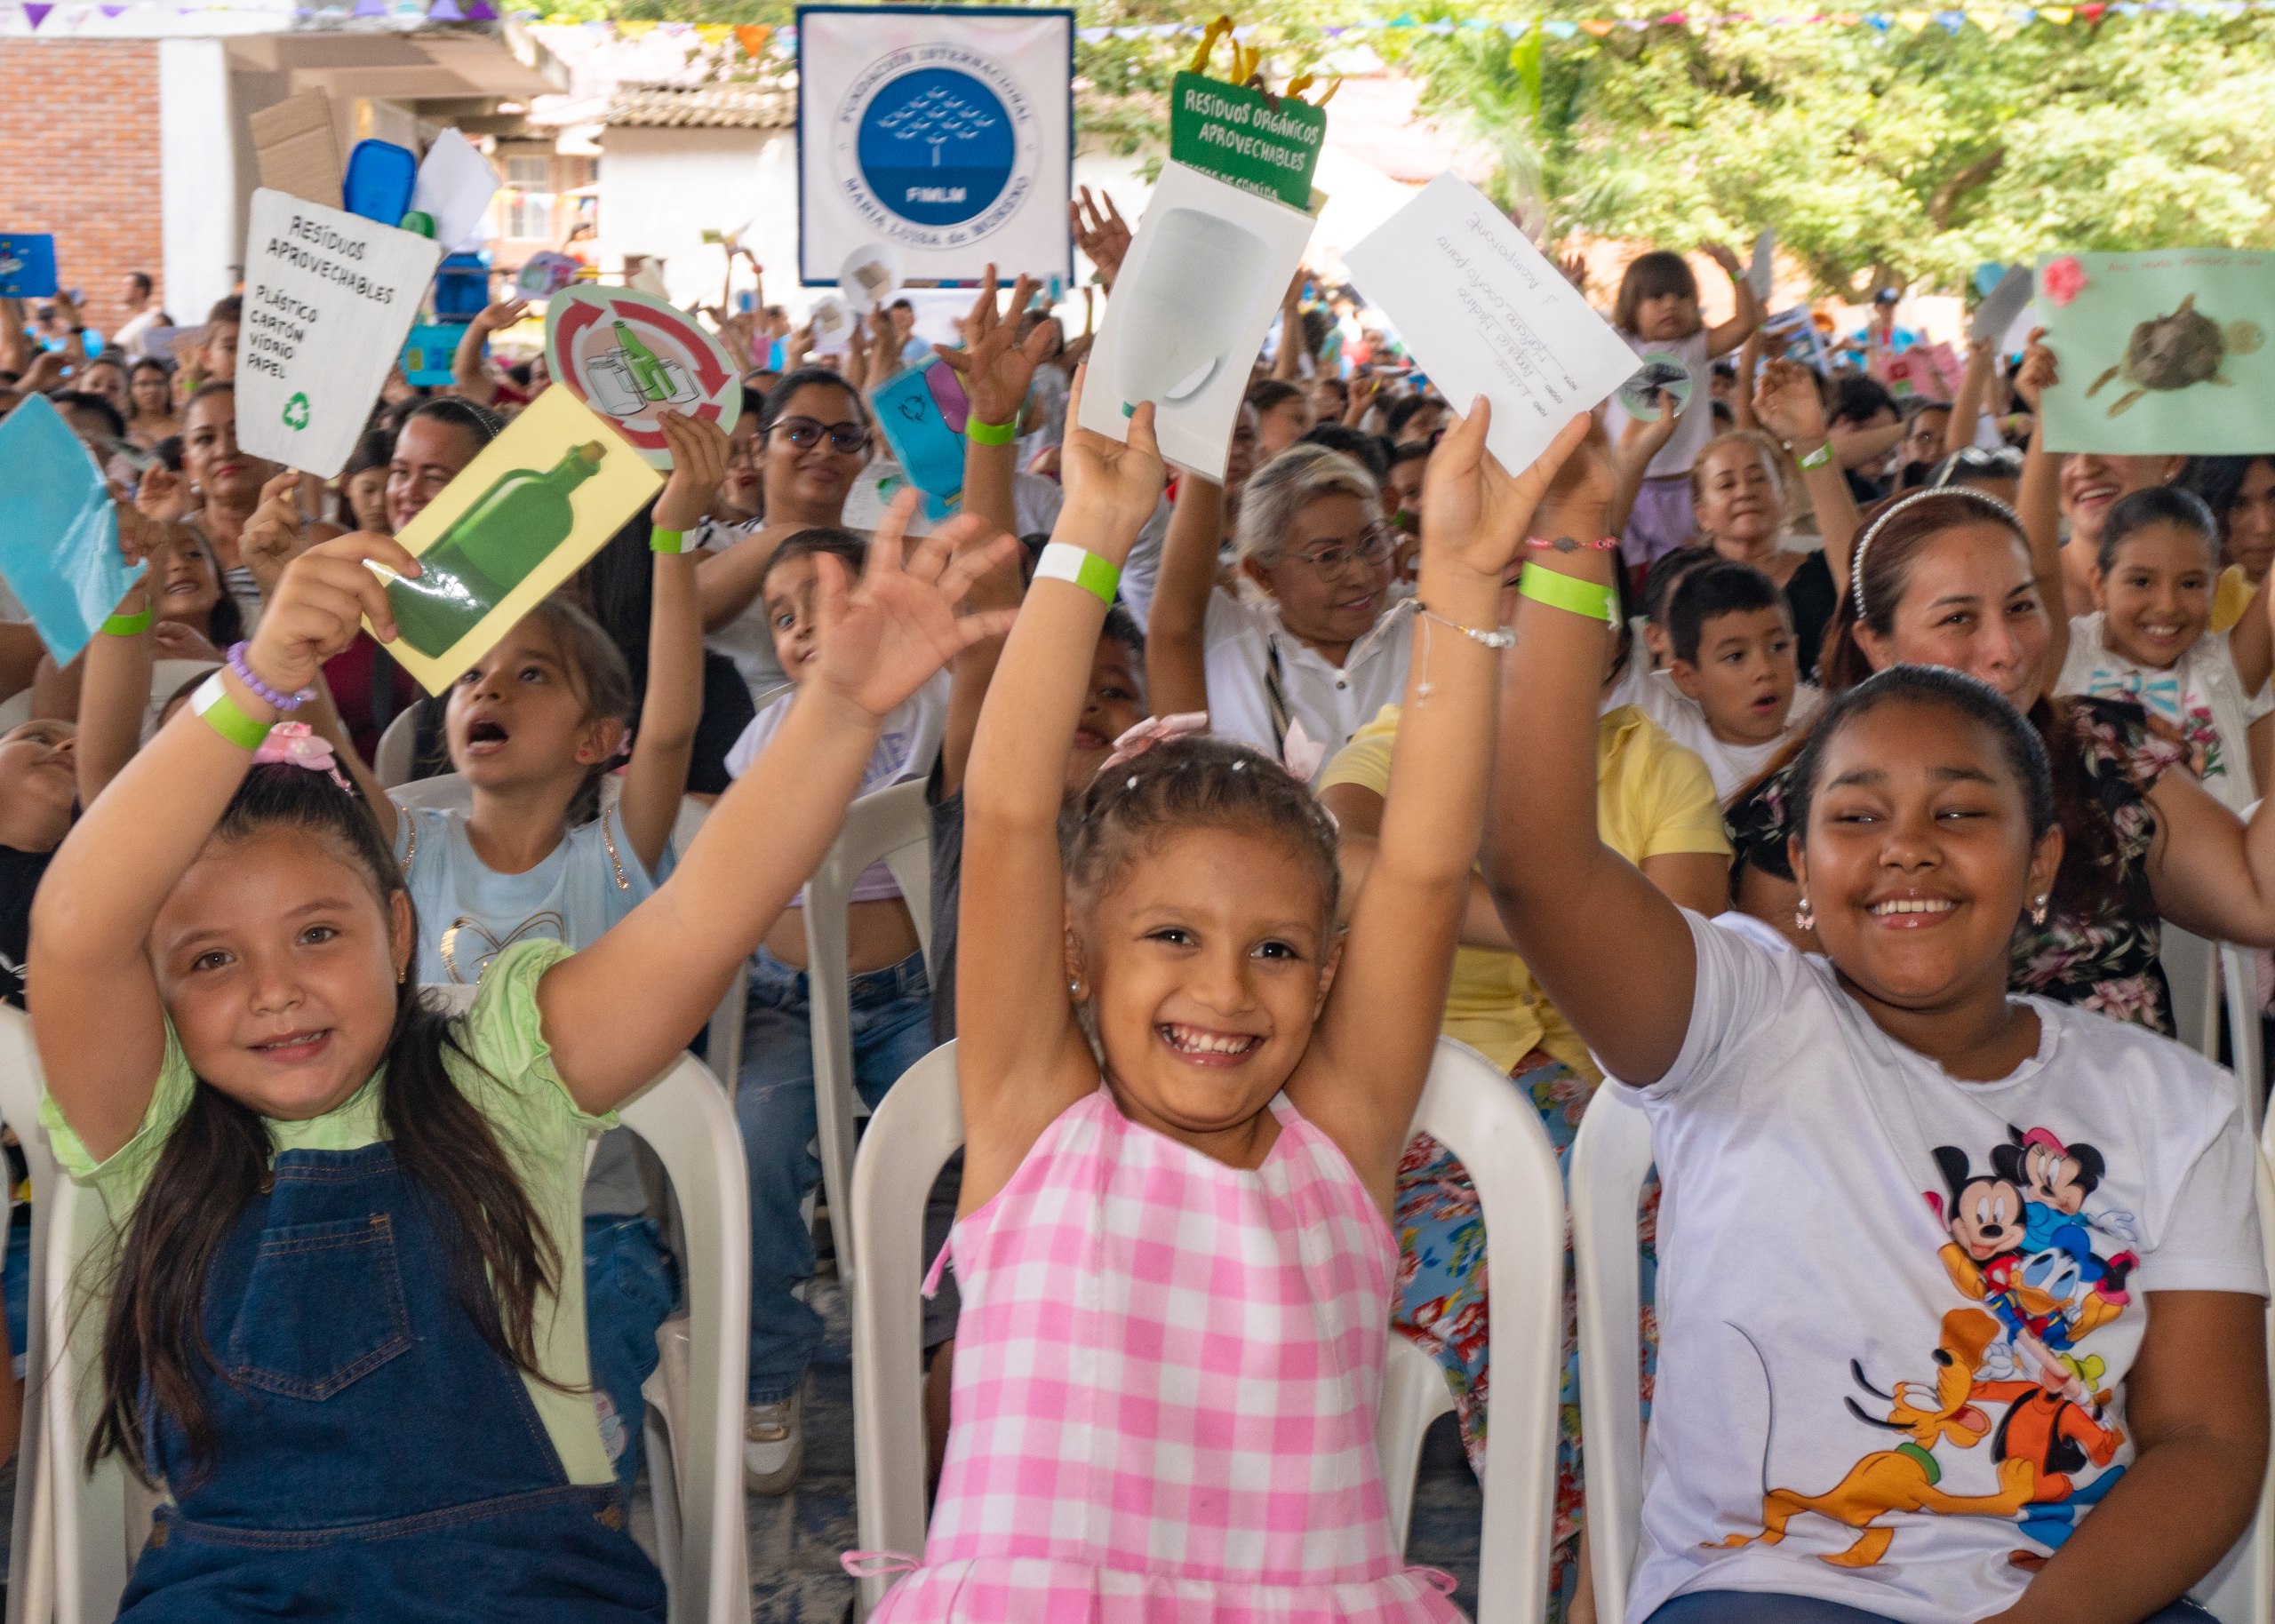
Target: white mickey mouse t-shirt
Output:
[(1896, 1311)]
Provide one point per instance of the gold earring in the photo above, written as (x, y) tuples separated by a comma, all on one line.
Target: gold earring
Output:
[(1805, 916)]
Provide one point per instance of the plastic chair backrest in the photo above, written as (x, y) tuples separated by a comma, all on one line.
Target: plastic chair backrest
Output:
[(449, 791), (893, 825), (391, 758), (31, 1570), (2209, 978), (1610, 1158), (723, 1053), (1467, 1105)]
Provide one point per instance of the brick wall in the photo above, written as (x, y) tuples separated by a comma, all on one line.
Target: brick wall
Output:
[(79, 158)]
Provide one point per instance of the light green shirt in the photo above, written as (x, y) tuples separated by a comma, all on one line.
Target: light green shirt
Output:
[(516, 1089)]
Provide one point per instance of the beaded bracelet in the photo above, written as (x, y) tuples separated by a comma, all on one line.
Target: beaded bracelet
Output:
[(1499, 637), (286, 703), (1565, 543)]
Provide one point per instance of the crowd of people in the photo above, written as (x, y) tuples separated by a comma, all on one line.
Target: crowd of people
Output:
[(1820, 759)]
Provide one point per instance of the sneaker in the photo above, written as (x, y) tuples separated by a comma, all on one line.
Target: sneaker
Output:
[(774, 1444)]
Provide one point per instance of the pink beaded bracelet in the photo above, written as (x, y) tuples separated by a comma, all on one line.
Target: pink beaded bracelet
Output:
[(1565, 543)]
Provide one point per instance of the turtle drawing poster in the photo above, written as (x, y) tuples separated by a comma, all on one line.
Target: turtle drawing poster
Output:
[(2166, 352)]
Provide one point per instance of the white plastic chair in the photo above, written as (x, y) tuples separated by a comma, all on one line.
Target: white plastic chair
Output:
[(1468, 1105), (391, 758), (2209, 978), (894, 826), (31, 1576), (696, 1470), (1610, 1158)]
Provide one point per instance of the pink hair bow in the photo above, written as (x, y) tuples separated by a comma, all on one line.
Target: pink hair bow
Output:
[(1137, 740), (294, 743)]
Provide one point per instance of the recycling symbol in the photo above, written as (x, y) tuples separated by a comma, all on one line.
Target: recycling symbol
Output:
[(296, 412)]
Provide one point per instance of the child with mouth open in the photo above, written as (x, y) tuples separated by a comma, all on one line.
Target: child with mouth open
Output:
[(2149, 639)]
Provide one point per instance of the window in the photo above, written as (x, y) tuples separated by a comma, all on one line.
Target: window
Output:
[(525, 205), (530, 174)]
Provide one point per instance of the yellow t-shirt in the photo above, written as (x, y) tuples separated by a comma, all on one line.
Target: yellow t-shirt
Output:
[(2230, 597), (1653, 798), (515, 1086)]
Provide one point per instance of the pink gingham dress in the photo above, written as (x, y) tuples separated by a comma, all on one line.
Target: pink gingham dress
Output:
[(1167, 1373)]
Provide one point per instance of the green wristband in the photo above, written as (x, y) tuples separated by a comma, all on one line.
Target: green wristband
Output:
[(127, 625), (1567, 592), (223, 714), (1062, 561), (1818, 458), (990, 433), (667, 541)]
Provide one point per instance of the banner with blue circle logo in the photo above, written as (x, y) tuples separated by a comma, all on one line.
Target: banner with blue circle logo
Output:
[(944, 131)]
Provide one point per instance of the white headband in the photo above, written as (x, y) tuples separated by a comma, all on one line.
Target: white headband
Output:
[(1967, 492)]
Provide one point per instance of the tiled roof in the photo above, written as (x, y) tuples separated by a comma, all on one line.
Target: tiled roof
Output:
[(719, 107)]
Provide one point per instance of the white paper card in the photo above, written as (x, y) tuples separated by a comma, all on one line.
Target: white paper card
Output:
[(1482, 313), (2002, 305), (1762, 273), (454, 188), (1200, 288), (329, 298)]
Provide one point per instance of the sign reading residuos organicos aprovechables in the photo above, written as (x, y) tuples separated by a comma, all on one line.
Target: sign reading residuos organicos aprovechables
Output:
[(1265, 144), (329, 297)]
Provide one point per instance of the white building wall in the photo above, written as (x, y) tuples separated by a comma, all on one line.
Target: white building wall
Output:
[(202, 225)]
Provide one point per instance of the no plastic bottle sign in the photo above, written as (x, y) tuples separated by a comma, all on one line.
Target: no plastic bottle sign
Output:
[(629, 355)]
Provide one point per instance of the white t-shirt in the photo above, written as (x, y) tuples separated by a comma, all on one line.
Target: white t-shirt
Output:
[(1845, 1231), (1732, 767), (747, 640), (2201, 695), (1697, 424), (906, 748)]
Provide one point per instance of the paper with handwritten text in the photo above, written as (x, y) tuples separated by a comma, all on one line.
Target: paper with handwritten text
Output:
[(1484, 313)]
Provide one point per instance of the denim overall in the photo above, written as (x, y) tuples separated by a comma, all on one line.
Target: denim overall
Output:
[(373, 1457)]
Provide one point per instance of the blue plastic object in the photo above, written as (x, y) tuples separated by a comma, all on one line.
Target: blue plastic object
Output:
[(26, 265), (428, 352), (461, 287), (379, 181), (58, 532)]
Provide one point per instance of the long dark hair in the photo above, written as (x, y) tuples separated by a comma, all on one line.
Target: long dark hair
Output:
[(216, 1159)]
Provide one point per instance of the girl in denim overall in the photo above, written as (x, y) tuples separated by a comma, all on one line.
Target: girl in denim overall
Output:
[(344, 1324)]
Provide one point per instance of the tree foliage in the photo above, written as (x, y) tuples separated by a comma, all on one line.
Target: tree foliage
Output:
[(1879, 158)]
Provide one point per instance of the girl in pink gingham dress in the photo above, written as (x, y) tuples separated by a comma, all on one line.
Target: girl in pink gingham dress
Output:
[(1185, 1095)]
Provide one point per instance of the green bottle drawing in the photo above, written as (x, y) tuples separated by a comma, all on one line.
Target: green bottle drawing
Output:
[(647, 372), (502, 537)]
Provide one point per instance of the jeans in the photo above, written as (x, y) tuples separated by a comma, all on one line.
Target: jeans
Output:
[(1762, 1607), (774, 1101), (631, 1284)]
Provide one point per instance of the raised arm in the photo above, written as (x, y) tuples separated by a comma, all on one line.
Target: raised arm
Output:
[(1749, 369), (655, 780), (1611, 950), (1790, 407), (1284, 365), (1176, 634), (1370, 1053), (1747, 317), (1100, 233), (1021, 1057), (97, 1012), (2039, 503), (996, 371), (1640, 439), (470, 376), (617, 1012), (1973, 390)]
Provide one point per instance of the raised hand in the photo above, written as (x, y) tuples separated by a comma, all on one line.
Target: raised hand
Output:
[(170, 639), (161, 494), (994, 367), (879, 639), (320, 604), (1788, 404), (1723, 254), (698, 448), (2038, 372), (275, 533), (1574, 268), (1101, 233), (1475, 513), (138, 534), (1120, 482), (1643, 438), (499, 315)]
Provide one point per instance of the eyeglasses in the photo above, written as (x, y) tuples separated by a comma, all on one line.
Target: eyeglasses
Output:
[(1374, 548), (805, 434)]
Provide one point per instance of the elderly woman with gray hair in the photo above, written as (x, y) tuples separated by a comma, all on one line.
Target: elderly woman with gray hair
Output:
[(1301, 642)]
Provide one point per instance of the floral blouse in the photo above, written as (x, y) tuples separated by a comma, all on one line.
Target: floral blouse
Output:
[(2103, 959)]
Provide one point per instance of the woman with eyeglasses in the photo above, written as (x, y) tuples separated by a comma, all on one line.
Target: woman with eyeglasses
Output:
[(1307, 645), (811, 440)]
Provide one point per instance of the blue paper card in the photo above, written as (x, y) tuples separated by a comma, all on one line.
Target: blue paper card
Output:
[(428, 352), (27, 266), (911, 412), (58, 532)]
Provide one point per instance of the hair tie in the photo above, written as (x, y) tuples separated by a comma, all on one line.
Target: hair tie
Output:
[(1964, 492), (1135, 740), (294, 743)]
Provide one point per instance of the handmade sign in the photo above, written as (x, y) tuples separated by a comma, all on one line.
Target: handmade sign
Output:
[(544, 275), (1761, 272), (871, 498), (59, 530), (428, 354), (293, 149), (2002, 302), (1481, 308), (26, 265), (1261, 143), (629, 355), (329, 297), (1198, 291), (870, 277), (921, 412), (517, 521), (1803, 338), (453, 188), (2161, 352), (946, 132)]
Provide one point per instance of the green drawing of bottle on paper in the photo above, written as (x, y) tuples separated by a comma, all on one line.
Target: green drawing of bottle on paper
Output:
[(502, 537), (629, 379)]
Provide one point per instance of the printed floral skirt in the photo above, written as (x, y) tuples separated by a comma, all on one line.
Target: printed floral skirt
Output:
[(1441, 1294)]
